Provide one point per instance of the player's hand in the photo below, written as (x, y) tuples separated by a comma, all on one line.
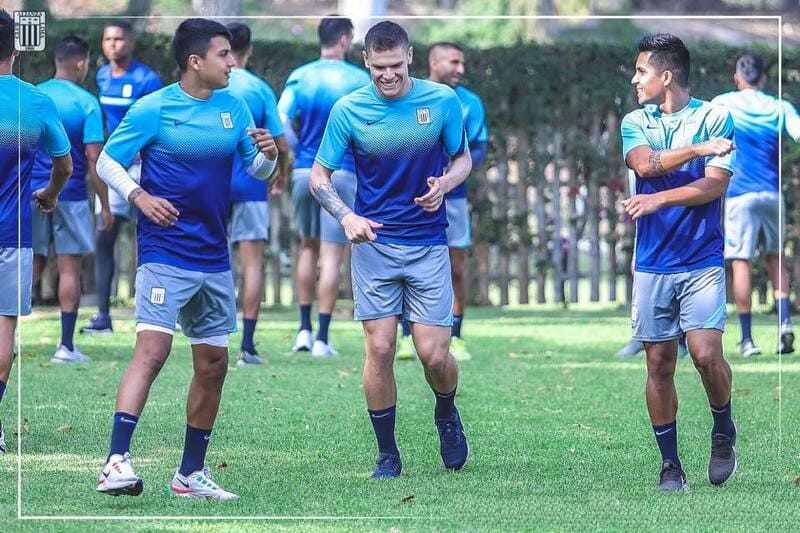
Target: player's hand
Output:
[(277, 184), (262, 139), (156, 209), (718, 146), (432, 199), (641, 205), (44, 200), (359, 229), (106, 220)]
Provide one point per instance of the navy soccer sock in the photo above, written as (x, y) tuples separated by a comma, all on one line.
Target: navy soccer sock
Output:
[(2, 389), (305, 317), (667, 439), (324, 322), (722, 420), (194, 450), (785, 310), (445, 403), (406, 325), (383, 425), (68, 329), (745, 319), (121, 433), (247, 334), (456, 329)]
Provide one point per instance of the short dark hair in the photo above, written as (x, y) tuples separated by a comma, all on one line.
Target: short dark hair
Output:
[(668, 53), (331, 29), (124, 25), (443, 44), (240, 36), (6, 35), (385, 36), (750, 68), (193, 37), (71, 47)]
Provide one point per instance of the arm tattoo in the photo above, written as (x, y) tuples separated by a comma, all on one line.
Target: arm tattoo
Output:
[(654, 167), (134, 193), (328, 198)]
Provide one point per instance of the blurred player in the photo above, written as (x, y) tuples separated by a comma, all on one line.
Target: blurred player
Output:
[(307, 99), (681, 151), (188, 134)]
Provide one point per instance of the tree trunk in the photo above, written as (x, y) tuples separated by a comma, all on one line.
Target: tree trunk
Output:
[(540, 181), (523, 162), (555, 207), (572, 220), (482, 263), (501, 211), (593, 215), (275, 221)]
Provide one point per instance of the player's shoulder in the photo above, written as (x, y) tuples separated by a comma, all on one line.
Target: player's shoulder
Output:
[(710, 111), (152, 102), (141, 72), (641, 115), (362, 95), (727, 98), (299, 72), (467, 95)]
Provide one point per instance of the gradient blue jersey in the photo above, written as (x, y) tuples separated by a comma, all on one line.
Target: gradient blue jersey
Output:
[(80, 114), (263, 105), (308, 96), (397, 145), (187, 147), (26, 116), (759, 119), (474, 116), (118, 94), (678, 238)]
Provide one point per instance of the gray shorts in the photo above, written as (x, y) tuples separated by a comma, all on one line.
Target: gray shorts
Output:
[(396, 279), (306, 207), (249, 221), (751, 224), (459, 232), (664, 305), (204, 304), (68, 227), (330, 229), (16, 271)]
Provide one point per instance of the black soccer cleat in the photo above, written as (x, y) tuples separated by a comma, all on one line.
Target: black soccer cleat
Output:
[(672, 478), (722, 464)]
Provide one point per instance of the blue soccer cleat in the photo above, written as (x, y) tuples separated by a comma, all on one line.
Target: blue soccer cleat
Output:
[(452, 441), (387, 465)]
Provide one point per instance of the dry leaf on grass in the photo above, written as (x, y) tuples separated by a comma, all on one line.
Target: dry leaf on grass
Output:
[(407, 498), (223, 464), (64, 428)]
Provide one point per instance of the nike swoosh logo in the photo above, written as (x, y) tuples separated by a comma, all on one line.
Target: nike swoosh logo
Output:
[(206, 437), (649, 127), (127, 420), (380, 416), (659, 433), (371, 122), (179, 122), (183, 483)]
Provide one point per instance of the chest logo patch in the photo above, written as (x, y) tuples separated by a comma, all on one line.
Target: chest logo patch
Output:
[(227, 121), (127, 90), (423, 115)]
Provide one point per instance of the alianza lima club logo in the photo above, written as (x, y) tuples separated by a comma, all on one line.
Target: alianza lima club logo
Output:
[(29, 31)]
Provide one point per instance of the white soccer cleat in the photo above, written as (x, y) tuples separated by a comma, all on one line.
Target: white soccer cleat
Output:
[(247, 358), (199, 485), (303, 341), (323, 349), (119, 478), (65, 355)]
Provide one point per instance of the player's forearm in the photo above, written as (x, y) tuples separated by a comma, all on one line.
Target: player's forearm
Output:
[(288, 132), (100, 188), (457, 172), (284, 156), (653, 163), (115, 176), (262, 167), (59, 174), (323, 190), (698, 192)]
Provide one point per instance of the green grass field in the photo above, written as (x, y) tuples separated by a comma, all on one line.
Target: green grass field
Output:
[(558, 429)]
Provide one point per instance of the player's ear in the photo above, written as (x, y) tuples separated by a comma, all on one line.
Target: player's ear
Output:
[(410, 54), (366, 60), (667, 76)]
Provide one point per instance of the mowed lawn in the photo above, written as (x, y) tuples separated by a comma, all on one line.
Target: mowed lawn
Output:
[(557, 426)]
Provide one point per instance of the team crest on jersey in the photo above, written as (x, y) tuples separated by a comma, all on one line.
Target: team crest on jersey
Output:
[(227, 121), (423, 115), (127, 90)]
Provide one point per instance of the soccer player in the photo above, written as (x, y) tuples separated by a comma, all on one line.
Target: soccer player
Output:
[(446, 65), (307, 99), (120, 83), (27, 117), (397, 128), (754, 200), (69, 226), (188, 134), (681, 151), (250, 210)]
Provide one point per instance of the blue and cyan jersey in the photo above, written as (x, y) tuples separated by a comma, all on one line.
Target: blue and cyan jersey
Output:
[(187, 147), (263, 105), (678, 238), (118, 94), (474, 116), (759, 119), (308, 96), (397, 145), (80, 114), (27, 116)]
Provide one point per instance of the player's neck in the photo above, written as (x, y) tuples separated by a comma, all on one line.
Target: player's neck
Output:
[(195, 88), (6, 66), (120, 66), (675, 101), (62, 74), (332, 52)]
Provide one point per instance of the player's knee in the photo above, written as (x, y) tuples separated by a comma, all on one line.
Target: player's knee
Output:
[(705, 357), (435, 360)]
